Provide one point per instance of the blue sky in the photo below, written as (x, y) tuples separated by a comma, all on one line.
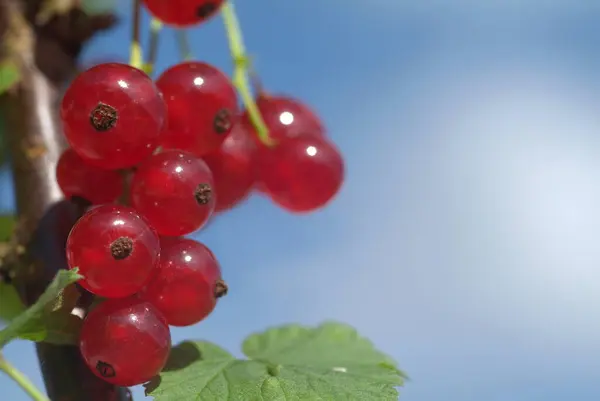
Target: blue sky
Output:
[(464, 242)]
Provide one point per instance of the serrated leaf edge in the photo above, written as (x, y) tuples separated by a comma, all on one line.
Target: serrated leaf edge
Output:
[(62, 279), (387, 363)]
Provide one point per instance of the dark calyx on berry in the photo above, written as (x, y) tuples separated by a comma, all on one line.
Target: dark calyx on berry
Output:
[(203, 194), (105, 369), (222, 121), (220, 289), (103, 117), (206, 10), (121, 248)]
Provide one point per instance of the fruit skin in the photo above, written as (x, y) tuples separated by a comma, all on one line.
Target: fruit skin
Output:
[(234, 168), (76, 178), (285, 117), (118, 140), (187, 282), (202, 107), (183, 13), (175, 191), (125, 341), (115, 250), (301, 174)]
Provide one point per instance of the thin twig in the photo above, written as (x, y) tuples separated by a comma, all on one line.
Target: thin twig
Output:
[(184, 45), (22, 380), (155, 29), (135, 26), (136, 58), (240, 71)]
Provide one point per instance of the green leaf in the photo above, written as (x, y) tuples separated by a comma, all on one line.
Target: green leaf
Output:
[(9, 75), (60, 325), (33, 322), (10, 302), (328, 363), (56, 324), (65, 300), (55, 328), (7, 227), (33, 331)]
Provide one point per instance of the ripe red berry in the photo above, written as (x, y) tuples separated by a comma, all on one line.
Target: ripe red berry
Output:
[(302, 174), (125, 341), (113, 115), (187, 284), (115, 250), (202, 107), (285, 117), (174, 191), (183, 12), (233, 168), (76, 178)]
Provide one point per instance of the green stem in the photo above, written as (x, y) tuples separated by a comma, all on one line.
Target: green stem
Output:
[(184, 45), (135, 57), (240, 72), (21, 380), (155, 28)]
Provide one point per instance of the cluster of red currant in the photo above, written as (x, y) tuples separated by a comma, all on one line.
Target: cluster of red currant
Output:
[(154, 161)]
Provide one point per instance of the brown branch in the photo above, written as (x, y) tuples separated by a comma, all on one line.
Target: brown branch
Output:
[(36, 141)]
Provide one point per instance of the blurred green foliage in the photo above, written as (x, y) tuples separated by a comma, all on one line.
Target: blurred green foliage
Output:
[(92, 7)]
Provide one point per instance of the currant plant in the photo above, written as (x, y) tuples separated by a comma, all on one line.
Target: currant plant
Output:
[(151, 160)]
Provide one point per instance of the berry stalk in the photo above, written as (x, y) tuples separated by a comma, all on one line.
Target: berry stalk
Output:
[(155, 29), (136, 58), (240, 72), (184, 45), (21, 380)]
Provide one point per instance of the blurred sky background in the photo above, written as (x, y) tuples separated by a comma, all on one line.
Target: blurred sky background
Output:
[(466, 241)]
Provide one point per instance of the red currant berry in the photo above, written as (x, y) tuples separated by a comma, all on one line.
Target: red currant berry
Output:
[(187, 284), (174, 191), (76, 178), (183, 12), (115, 250), (113, 115), (285, 117), (233, 168), (202, 107), (302, 174), (125, 341)]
